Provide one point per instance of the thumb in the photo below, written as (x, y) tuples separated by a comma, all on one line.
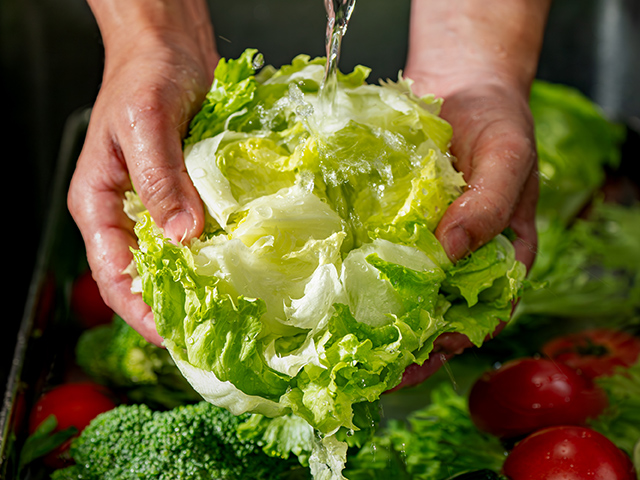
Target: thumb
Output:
[(500, 180)]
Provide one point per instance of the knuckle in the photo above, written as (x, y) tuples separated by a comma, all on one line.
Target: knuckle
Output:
[(157, 188), (500, 208), (145, 108), (155, 103)]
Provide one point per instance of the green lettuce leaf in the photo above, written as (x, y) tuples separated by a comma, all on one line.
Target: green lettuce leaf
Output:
[(620, 422), (588, 270), (435, 442), (575, 143)]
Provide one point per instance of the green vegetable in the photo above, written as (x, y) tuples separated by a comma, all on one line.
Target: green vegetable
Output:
[(43, 440), (589, 269), (436, 442), (118, 356), (621, 421), (483, 474), (280, 436), (575, 143), (318, 278), (191, 442), (439, 441)]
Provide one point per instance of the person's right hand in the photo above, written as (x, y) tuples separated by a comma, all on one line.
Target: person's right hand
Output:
[(159, 63)]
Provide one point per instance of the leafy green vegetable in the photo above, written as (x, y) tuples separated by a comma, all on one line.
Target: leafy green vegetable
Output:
[(590, 269), (621, 421), (587, 267), (280, 436), (191, 442), (318, 279), (118, 356), (436, 442), (43, 440), (575, 143)]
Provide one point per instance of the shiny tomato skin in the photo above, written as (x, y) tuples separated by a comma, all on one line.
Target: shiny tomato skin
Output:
[(74, 405), (567, 453), (595, 352), (527, 394), (87, 304)]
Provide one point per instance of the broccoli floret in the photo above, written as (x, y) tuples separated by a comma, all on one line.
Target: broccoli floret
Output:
[(118, 356), (197, 441)]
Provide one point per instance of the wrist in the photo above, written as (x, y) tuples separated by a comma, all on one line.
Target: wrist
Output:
[(455, 44), (127, 26)]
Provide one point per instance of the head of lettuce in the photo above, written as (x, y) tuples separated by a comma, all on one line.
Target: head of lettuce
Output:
[(318, 278)]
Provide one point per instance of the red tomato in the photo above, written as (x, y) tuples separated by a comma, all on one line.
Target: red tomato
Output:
[(567, 453), (596, 352), (74, 405), (87, 303), (527, 394)]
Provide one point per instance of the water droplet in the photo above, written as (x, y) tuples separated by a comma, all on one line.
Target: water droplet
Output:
[(258, 61), (199, 173)]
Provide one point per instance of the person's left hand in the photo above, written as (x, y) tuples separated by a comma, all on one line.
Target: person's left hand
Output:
[(485, 92), (494, 146)]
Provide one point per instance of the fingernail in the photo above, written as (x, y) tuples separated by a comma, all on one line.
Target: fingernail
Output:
[(148, 328), (456, 243), (179, 226)]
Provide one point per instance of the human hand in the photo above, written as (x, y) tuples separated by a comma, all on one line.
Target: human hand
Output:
[(481, 59), (494, 146), (159, 62)]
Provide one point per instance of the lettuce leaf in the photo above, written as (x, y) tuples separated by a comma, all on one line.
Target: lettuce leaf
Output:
[(576, 142), (587, 267), (589, 270), (318, 278), (435, 442), (620, 422)]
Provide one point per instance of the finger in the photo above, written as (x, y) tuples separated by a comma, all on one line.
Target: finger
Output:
[(152, 146), (95, 202), (446, 346), (415, 374), (496, 168), (523, 222), (452, 343)]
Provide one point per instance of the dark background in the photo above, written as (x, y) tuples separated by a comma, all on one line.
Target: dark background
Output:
[(51, 58)]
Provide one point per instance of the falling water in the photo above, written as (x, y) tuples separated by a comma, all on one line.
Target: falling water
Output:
[(338, 15)]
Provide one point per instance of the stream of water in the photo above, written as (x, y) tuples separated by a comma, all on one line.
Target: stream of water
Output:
[(338, 15)]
